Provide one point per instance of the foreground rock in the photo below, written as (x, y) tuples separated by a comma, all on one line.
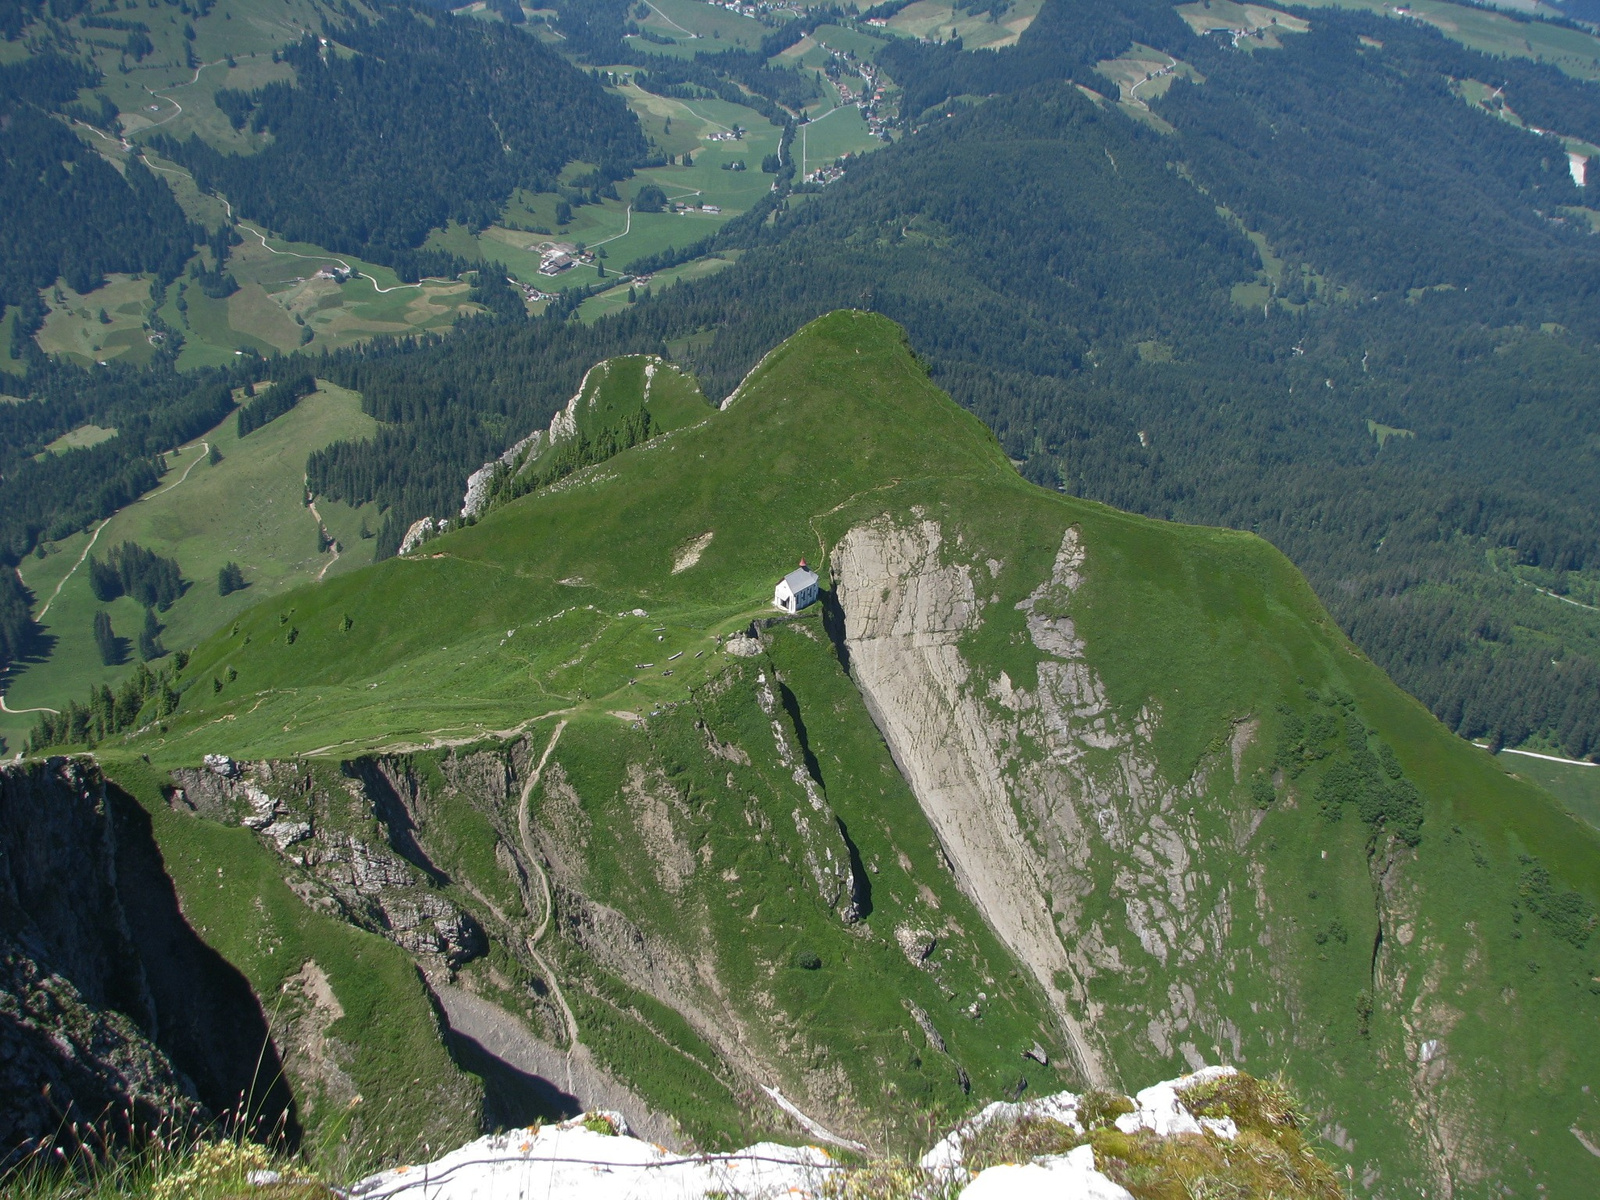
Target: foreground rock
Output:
[(594, 1158), (1240, 1134)]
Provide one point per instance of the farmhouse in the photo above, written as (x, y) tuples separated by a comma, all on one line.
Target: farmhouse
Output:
[(796, 589)]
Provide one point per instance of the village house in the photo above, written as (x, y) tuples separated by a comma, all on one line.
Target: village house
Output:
[(796, 589)]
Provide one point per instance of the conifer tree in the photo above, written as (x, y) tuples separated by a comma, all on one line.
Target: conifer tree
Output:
[(106, 639), (150, 637)]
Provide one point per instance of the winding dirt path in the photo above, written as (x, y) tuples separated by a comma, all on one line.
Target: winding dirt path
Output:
[(526, 835), (20, 712), (204, 451), (322, 528), (692, 34), (626, 226), (174, 87), (376, 286), (75, 566)]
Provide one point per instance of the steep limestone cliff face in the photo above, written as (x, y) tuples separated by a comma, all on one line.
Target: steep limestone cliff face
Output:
[(113, 1013), (1138, 900), (906, 612), (1029, 785)]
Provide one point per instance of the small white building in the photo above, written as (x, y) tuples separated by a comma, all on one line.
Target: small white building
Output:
[(796, 589)]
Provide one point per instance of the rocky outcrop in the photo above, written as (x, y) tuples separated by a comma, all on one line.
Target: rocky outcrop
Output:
[(1057, 1147), (1025, 785), (113, 1012), (66, 1062), (385, 884)]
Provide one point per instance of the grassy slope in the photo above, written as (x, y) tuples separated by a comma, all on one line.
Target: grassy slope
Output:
[(248, 508), (839, 1036), (840, 425), (1576, 786)]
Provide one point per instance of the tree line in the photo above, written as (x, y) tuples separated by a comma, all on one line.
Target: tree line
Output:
[(274, 402), (131, 570)]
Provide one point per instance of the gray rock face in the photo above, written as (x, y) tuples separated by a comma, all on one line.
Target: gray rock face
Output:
[(76, 1012), (1027, 785), (64, 1060), (354, 843), (113, 1013)]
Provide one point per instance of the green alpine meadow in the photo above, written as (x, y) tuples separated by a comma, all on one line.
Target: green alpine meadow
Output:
[(1039, 796)]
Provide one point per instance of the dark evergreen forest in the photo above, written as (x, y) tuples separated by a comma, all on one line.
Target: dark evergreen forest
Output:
[(431, 119), (65, 212)]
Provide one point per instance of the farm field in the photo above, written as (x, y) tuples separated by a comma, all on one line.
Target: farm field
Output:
[(76, 439), (838, 132), (1577, 787), (694, 26), (616, 299), (248, 508), (936, 22), (842, 40), (98, 326), (1483, 96), (1573, 51), (1142, 74), (186, 107), (817, 47), (1260, 27)]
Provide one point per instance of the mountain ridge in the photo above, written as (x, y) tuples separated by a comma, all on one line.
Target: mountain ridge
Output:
[(1116, 790)]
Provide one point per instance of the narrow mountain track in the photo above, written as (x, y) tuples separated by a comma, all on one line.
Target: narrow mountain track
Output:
[(92, 540), (525, 834)]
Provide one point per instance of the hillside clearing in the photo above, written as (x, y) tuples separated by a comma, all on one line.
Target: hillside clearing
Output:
[(248, 508), (978, 30)]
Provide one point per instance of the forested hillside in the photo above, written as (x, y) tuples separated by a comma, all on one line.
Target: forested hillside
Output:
[(66, 213), (407, 123)]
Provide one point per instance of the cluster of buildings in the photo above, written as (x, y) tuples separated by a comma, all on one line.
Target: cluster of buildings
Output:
[(556, 257), (758, 10), (870, 94)]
